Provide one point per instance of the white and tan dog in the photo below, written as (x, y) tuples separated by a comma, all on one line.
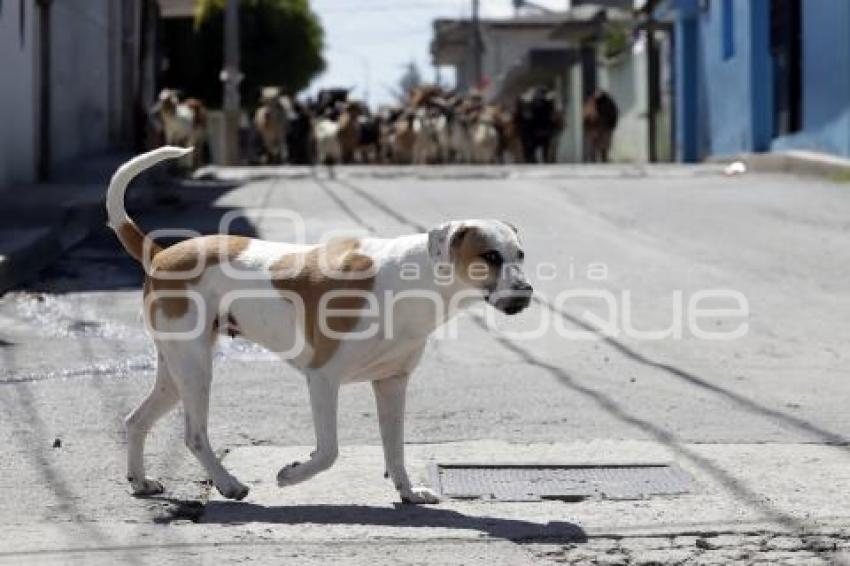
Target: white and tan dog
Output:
[(184, 123), (345, 311)]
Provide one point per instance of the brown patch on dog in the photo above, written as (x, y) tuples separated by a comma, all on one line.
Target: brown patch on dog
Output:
[(467, 245), (174, 268), (404, 137), (336, 266), (136, 243), (199, 112), (148, 305), (168, 105), (348, 133)]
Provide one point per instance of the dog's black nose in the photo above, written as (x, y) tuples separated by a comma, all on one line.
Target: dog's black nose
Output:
[(520, 298), (522, 289)]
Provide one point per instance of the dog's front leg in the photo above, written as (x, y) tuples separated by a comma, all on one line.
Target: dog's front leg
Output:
[(390, 397), (324, 392)]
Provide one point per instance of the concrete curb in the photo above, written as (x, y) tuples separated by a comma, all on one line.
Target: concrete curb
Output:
[(808, 163), (41, 222), (35, 247), (450, 172)]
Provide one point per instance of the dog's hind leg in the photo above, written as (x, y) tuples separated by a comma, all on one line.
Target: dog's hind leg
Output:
[(191, 367), (324, 393), (161, 399)]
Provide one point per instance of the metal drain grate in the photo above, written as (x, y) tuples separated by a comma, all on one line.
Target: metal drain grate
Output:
[(530, 482)]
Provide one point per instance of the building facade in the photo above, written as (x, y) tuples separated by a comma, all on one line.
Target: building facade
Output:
[(77, 76), (515, 54), (570, 52), (18, 92), (760, 75)]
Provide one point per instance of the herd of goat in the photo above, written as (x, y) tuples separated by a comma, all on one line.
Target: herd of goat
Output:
[(433, 126)]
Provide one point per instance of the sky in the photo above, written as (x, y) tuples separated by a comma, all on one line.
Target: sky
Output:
[(369, 42)]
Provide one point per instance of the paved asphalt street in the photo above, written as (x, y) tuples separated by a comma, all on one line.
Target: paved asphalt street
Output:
[(759, 421)]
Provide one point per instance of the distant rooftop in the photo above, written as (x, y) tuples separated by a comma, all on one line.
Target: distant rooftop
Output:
[(581, 19), (578, 13)]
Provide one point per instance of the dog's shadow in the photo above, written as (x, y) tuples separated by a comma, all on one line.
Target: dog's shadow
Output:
[(400, 515)]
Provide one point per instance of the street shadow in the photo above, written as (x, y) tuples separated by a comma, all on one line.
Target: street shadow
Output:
[(382, 206), (400, 515), (100, 263), (783, 418), (743, 493), (356, 218)]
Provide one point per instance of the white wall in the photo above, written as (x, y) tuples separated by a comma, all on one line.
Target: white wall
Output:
[(80, 71), (18, 100), (93, 44), (505, 47), (625, 80), (571, 142)]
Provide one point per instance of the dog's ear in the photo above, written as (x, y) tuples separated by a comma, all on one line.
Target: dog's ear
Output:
[(511, 226), (443, 239)]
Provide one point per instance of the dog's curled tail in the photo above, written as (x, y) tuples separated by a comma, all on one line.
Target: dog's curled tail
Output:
[(132, 238)]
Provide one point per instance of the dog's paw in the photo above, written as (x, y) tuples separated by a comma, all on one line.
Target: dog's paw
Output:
[(145, 487), (290, 474), (419, 496), (233, 490)]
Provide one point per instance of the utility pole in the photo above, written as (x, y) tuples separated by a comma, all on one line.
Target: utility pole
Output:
[(368, 83), (476, 44), (231, 76), (44, 90), (367, 76), (653, 84)]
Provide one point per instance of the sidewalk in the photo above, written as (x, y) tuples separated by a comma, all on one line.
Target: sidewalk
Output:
[(41, 221), (748, 502), (796, 162)]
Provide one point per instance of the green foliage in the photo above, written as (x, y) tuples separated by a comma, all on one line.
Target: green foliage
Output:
[(615, 39), (281, 43), (841, 177)]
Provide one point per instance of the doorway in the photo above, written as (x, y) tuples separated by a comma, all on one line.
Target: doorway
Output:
[(787, 59)]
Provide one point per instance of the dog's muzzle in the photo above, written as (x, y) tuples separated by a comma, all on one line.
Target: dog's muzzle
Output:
[(515, 299)]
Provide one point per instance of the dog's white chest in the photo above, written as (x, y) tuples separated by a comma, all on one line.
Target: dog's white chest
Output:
[(379, 360)]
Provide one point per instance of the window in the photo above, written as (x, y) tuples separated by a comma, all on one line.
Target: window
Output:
[(727, 29)]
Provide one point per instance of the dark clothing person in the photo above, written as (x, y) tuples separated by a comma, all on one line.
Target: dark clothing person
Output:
[(600, 121), (538, 123)]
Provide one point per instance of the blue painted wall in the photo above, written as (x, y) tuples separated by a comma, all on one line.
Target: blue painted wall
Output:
[(734, 86), (761, 76), (686, 74), (718, 85), (826, 79), (724, 89)]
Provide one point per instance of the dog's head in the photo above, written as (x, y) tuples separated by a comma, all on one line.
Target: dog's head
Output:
[(484, 255)]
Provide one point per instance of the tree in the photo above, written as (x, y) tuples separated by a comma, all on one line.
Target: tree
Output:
[(281, 42)]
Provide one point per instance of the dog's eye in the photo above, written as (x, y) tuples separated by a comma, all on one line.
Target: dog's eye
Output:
[(492, 257), (520, 255)]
